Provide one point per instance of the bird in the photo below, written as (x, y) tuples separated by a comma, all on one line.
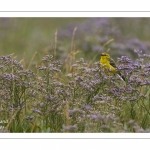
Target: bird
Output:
[(109, 64)]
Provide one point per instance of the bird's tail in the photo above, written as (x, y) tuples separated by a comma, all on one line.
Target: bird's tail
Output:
[(121, 76)]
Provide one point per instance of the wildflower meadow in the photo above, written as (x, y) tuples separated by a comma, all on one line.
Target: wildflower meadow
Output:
[(63, 88)]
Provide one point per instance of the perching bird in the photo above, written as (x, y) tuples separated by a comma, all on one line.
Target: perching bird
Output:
[(109, 64)]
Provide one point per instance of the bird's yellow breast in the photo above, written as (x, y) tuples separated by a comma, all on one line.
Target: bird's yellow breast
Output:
[(106, 64)]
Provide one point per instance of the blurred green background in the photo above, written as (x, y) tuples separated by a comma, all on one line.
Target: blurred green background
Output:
[(25, 36)]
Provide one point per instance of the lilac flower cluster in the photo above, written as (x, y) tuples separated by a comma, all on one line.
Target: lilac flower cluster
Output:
[(15, 86)]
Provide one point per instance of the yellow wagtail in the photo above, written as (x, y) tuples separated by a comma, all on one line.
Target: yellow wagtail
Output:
[(109, 64)]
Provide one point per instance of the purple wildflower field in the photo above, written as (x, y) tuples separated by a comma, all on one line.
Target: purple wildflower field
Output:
[(68, 91)]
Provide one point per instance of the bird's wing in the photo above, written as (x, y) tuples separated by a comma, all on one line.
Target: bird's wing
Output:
[(112, 63)]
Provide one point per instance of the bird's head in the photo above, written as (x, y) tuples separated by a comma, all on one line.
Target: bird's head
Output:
[(105, 55)]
